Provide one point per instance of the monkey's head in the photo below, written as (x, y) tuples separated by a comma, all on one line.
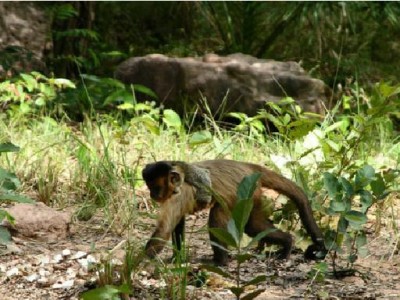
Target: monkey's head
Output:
[(163, 180)]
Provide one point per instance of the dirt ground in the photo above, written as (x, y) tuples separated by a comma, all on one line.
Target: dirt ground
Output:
[(60, 270)]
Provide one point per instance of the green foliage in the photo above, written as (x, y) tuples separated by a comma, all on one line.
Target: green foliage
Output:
[(29, 93), (9, 183), (349, 201), (232, 237)]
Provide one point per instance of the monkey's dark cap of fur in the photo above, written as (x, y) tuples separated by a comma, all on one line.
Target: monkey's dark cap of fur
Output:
[(155, 170)]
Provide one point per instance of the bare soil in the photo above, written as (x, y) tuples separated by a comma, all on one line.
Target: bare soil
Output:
[(65, 275)]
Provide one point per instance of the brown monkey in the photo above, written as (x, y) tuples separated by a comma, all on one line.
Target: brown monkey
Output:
[(172, 184)]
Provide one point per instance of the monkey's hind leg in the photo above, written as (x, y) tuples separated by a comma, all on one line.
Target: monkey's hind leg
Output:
[(258, 223), (178, 237), (218, 219)]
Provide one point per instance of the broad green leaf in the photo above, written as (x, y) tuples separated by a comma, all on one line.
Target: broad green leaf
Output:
[(241, 213), (378, 186), (364, 176), (150, 123), (241, 258), (347, 187), (237, 291), (119, 96), (361, 240), (255, 280), (40, 101), (233, 230), (301, 128), (172, 119), (247, 186), (200, 137), (108, 292), (260, 236), (5, 236), (125, 106), (337, 205), (30, 81), (342, 225), (216, 270), (8, 180), (64, 83), (286, 119), (145, 90), (366, 200), (331, 184), (223, 236), (15, 198), (356, 219), (252, 295), (8, 147)]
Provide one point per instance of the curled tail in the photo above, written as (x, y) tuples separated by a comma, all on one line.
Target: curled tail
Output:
[(272, 180)]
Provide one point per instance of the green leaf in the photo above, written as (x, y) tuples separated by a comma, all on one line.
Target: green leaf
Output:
[(8, 180), (108, 292), (15, 198), (233, 230), (260, 236), (255, 280), (126, 106), (147, 121), (237, 291), (5, 236), (252, 295), (64, 83), (223, 236), (172, 119), (347, 187), (301, 128), (216, 270), (200, 137), (342, 225), (8, 147), (378, 185), (366, 200), (364, 176), (337, 205), (145, 90), (241, 258), (30, 81), (40, 101), (247, 186), (331, 184), (241, 213), (356, 218)]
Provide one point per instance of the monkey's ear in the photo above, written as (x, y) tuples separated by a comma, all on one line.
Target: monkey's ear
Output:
[(175, 178)]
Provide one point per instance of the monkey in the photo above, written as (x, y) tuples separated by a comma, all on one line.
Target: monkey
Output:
[(182, 188)]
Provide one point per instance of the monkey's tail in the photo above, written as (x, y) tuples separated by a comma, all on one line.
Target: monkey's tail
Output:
[(272, 180)]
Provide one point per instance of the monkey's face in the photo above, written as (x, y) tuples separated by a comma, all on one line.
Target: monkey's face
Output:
[(160, 189)]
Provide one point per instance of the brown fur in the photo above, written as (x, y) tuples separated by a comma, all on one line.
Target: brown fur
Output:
[(225, 177)]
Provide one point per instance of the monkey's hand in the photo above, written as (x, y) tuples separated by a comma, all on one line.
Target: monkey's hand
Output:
[(315, 252), (153, 247)]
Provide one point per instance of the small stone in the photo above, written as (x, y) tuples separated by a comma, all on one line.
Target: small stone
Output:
[(78, 255), (12, 272), (63, 285), (66, 252), (32, 278)]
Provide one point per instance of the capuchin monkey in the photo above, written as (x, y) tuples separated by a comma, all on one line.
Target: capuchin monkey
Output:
[(182, 188)]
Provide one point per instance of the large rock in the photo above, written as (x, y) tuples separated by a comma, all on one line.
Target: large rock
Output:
[(38, 221), (243, 81), (24, 25)]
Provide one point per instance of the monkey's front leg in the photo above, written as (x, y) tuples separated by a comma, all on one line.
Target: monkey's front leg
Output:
[(170, 220)]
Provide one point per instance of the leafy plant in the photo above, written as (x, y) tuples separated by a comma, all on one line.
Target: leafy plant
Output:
[(349, 202), (31, 92), (232, 237), (9, 183)]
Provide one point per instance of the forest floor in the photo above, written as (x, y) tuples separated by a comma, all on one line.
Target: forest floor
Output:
[(64, 265)]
